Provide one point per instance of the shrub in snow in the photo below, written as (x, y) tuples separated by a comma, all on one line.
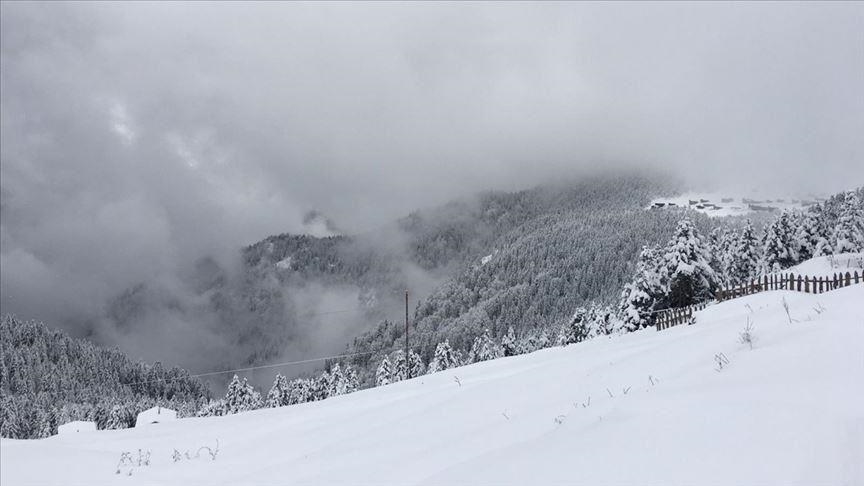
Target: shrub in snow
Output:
[(746, 336), (213, 408)]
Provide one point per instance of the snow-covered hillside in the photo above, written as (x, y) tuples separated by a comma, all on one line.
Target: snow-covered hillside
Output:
[(644, 408)]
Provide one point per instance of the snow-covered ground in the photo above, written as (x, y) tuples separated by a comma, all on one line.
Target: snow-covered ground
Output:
[(721, 204), (644, 408), (827, 266)]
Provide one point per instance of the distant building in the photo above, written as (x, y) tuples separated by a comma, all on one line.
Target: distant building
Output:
[(155, 415), (76, 426)]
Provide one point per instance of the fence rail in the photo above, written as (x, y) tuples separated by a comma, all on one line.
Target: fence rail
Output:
[(679, 315), (812, 285)]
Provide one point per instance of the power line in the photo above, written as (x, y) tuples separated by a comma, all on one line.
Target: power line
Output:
[(277, 365)]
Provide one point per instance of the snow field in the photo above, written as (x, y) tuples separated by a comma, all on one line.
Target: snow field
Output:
[(790, 411)]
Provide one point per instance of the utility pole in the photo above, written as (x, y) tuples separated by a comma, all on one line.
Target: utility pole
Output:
[(406, 335)]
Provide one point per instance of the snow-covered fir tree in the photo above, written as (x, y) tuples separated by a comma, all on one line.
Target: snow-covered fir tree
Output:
[(241, 396), (384, 374), (641, 296), (279, 394), (848, 233), (445, 358), (779, 248), (415, 365), (400, 366), (689, 275), (300, 391), (576, 329), (745, 256), (484, 348), (508, 343)]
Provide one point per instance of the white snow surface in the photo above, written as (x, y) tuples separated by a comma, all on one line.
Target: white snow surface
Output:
[(788, 412), (827, 266), (76, 426), (155, 415)]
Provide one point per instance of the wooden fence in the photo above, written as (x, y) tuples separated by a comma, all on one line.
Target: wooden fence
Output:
[(812, 285), (673, 317)]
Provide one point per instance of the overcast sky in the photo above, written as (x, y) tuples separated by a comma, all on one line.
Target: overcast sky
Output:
[(138, 136)]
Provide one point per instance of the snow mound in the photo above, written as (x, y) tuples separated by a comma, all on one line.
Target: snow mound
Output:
[(76, 426), (689, 405), (827, 266), (155, 415)]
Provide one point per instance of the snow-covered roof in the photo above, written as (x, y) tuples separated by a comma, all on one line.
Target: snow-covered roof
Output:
[(76, 426), (154, 416)]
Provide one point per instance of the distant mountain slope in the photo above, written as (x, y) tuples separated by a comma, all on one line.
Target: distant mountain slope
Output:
[(48, 378), (787, 411), (560, 247), (298, 295)]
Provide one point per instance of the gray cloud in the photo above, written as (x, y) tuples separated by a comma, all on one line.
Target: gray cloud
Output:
[(136, 138)]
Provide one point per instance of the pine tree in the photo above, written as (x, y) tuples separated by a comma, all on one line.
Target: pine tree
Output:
[(400, 366), (336, 382), (118, 418), (779, 246), (576, 329), (444, 359), (241, 396), (415, 365), (300, 391), (689, 276), (508, 343), (278, 396), (641, 297), (484, 348), (848, 234), (745, 256), (384, 375), (352, 380)]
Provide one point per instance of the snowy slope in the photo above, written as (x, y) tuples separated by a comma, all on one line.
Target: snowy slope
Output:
[(789, 411), (827, 266)]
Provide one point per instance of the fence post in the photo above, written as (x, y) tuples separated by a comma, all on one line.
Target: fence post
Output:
[(848, 280), (807, 285), (856, 276)]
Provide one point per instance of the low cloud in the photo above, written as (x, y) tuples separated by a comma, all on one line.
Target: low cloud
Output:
[(137, 138)]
